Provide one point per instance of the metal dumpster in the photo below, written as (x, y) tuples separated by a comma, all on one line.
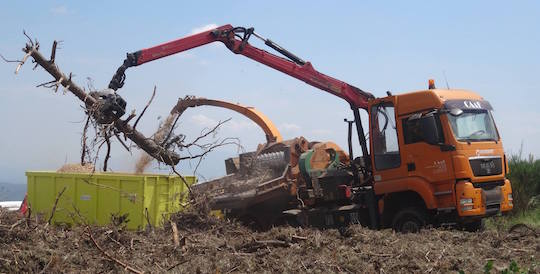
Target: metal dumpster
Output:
[(99, 197)]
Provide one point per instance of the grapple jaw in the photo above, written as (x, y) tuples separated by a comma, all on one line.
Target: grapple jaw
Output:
[(110, 106)]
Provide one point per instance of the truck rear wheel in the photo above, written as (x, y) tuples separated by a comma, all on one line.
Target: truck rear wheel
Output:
[(409, 220)]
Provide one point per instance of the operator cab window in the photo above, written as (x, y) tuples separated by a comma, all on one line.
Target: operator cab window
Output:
[(385, 139)]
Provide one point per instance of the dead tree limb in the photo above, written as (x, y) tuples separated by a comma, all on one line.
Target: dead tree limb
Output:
[(56, 204), (53, 51), (21, 62), (110, 257), (183, 180), (84, 147), (122, 142), (144, 109), (211, 131), (16, 224), (147, 144), (108, 155), (177, 264), (176, 239)]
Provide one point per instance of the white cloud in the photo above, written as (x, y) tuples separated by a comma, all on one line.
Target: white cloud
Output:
[(288, 127), (242, 125), (203, 28), (58, 10), (231, 125), (203, 120)]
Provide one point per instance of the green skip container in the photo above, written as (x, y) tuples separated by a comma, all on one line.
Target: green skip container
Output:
[(99, 198)]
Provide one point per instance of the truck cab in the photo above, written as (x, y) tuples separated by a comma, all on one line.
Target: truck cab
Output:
[(437, 157)]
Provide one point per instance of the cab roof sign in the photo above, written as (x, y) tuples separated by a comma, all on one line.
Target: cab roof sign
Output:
[(468, 104)]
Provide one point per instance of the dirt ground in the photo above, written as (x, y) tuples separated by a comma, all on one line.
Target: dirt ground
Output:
[(209, 245)]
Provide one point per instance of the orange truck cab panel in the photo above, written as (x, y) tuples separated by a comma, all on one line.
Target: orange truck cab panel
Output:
[(458, 167)]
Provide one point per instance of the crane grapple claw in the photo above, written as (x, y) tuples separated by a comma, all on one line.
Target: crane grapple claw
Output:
[(110, 106)]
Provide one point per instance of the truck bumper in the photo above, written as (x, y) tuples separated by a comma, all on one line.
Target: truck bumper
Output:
[(483, 201)]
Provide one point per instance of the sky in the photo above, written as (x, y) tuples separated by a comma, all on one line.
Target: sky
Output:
[(490, 47)]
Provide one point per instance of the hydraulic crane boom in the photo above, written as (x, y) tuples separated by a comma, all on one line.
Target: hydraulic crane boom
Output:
[(236, 40)]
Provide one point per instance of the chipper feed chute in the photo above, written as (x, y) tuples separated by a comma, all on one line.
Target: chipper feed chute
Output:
[(260, 185)]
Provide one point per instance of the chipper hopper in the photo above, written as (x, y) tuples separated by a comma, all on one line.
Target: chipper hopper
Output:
[(262, 185), (259, 185)]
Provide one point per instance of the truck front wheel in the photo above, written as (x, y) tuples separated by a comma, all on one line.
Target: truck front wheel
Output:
[(409, 220), (477, 225)]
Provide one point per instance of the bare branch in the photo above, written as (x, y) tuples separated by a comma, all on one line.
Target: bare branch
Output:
[(110, 257), (108, 155), (9, 61), (183, 180), (53, 51), (122, 142), (46, 84), (21, 62), (211, 131), (29, 39), (84, 147), (131, 116), (144, 110), (148, 145), (171, 130), (209, 148), (56, 204)]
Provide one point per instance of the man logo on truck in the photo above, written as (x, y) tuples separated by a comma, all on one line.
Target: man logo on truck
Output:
[(470, 104), (487, 166)]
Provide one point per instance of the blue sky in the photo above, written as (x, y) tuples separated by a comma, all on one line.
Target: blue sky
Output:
[(490, 47)]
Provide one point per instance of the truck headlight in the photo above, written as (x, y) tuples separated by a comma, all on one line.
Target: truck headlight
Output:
[(466, 204), (510, 199)]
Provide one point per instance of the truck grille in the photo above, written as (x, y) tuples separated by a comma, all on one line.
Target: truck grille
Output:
[(486, 166)]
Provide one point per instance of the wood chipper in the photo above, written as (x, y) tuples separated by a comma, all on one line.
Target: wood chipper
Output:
[(434, 156)]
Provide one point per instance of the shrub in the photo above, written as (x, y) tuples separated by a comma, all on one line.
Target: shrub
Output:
[(525, 177)]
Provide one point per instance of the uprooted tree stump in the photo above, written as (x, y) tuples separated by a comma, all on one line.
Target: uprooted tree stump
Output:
[(60, 79)]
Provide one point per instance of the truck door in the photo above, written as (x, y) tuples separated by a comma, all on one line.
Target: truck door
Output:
[(386, 158), (431, 162)]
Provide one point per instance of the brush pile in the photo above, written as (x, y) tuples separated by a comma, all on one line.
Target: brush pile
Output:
[(193, 242)]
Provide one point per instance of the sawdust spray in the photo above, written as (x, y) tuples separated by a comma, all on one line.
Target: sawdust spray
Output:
[(145, 159)]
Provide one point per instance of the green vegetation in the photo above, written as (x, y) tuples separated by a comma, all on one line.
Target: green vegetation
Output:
[(529, 217), (525, 177), (512, 268)]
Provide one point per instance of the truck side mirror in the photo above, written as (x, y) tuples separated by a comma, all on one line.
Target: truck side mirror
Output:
[(430, 130)]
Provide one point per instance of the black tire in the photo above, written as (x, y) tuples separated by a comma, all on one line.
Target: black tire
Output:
[(287, 220), (409, 220), (251, 223), (477, 225)]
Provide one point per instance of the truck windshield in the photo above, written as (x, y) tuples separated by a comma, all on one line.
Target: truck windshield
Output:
[(474, 125)]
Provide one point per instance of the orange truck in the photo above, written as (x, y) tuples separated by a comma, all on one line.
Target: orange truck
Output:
[(437, 157), (432, 157)]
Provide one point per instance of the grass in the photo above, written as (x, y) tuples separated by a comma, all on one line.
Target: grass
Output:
[(525, 177), (529, 217)]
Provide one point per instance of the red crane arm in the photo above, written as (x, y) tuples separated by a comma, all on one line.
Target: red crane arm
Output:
[(236, 39)]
